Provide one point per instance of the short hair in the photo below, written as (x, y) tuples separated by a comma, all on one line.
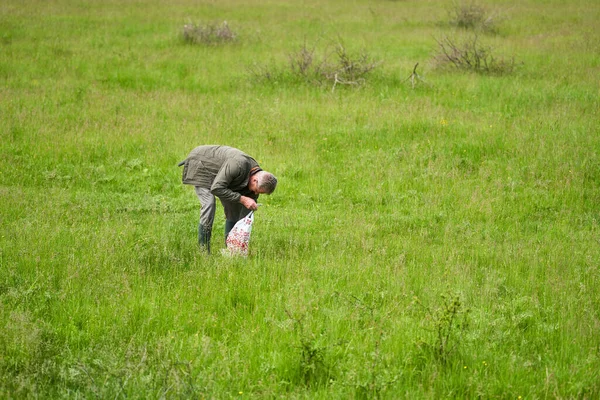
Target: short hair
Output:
[(266, 181)]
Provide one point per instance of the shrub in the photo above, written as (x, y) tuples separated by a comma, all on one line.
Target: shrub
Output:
[(313, 368), (473, 16), (336, 67), (473, 56), (348, 68), (302, 61), (208, 34), (446, 323)]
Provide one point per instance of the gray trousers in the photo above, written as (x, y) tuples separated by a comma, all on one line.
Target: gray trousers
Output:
[(233, 211)]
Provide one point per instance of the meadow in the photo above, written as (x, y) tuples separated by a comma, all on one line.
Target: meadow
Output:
[(433, 237)]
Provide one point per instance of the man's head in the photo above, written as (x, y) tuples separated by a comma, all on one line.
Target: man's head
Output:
[(262, 182)]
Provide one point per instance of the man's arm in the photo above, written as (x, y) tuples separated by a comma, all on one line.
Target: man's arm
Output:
[(249, 203)]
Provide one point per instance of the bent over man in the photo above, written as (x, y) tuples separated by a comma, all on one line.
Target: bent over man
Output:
[(232, 176)]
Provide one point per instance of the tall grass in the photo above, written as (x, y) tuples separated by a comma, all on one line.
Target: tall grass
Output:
[(431, 241)]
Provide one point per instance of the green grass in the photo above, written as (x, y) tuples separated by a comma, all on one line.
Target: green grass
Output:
[(391, 202)]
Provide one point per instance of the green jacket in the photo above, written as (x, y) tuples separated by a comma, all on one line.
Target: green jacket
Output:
[(222, 169)]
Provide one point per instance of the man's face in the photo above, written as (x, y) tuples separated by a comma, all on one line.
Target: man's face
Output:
[(253, 185)]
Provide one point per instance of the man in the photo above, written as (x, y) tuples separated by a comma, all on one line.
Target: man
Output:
[(232, 176)]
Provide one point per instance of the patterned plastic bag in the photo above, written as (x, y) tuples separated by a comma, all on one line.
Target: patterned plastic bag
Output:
[(239, 237)]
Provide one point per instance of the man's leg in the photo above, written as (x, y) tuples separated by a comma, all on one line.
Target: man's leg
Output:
[(207, 216), (233, 213)]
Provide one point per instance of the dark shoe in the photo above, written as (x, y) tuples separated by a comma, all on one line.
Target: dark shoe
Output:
[(204, 238)]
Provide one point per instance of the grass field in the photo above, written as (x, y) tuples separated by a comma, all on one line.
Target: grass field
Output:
[(429, 239)]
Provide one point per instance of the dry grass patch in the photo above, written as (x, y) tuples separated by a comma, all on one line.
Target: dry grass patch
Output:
[(473, 16), (208, 34)]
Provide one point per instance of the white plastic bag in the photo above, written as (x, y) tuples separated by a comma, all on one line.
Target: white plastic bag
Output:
[(239, 237)]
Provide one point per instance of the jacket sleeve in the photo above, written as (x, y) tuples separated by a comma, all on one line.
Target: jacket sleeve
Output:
[(230, 172)]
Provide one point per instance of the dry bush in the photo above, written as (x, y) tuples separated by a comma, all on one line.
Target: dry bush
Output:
[(259, 72), (348, 67), (208, 34), (472, 56), (473, 16), (303, 63), (337, 67)]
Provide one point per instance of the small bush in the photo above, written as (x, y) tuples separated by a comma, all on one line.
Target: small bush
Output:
[(473, 16), (208, 34), (302, 62), (446, 323), (348, 67), (265, 73), (337, 67), (472, 56), (304, 65), (313, 368)]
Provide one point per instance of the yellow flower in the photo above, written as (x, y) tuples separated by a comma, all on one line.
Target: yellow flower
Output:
[(443, 122)]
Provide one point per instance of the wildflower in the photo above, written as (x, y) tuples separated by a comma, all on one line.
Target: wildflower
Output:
[(443, 122)]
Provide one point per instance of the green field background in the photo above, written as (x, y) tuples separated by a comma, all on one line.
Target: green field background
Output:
[(435, 240)]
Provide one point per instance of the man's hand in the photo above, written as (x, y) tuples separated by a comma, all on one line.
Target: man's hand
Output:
[(249, 203)]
